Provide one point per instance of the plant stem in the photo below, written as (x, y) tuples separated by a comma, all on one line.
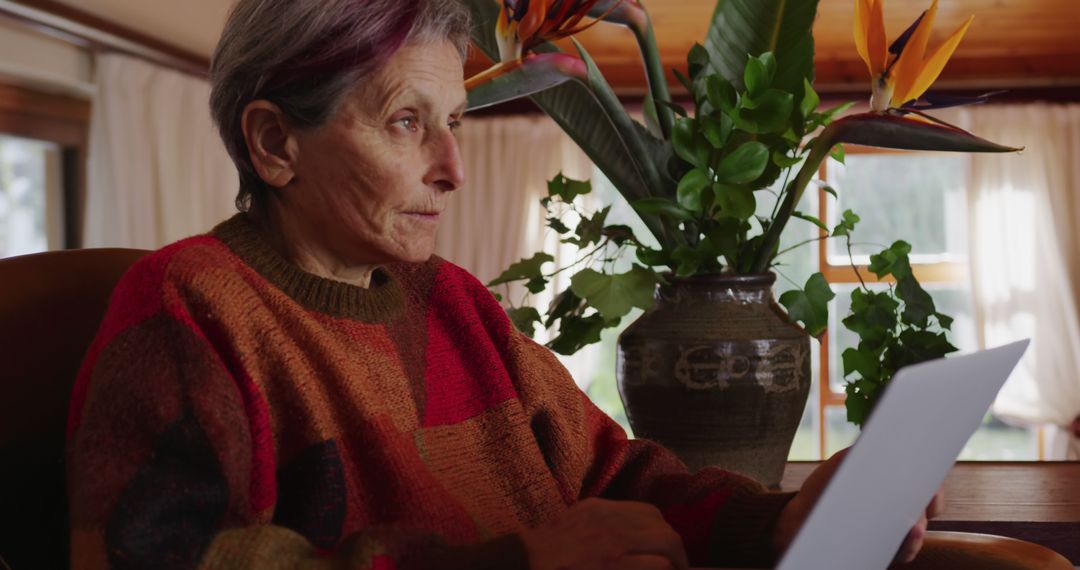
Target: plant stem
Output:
[(792, 194), (800, 244), (851, 259)]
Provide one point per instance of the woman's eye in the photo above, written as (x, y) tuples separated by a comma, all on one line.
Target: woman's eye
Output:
[(409, 123), (455, 124)]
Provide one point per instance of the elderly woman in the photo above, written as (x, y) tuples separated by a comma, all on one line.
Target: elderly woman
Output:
[(307, 386)]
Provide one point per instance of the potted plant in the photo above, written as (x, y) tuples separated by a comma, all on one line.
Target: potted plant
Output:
[(714, 369)]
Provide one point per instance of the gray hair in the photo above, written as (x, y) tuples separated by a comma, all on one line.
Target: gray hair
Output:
[(305, 56)]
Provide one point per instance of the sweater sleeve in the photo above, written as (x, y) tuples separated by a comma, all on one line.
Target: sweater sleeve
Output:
[(171, 465), (725, 519)]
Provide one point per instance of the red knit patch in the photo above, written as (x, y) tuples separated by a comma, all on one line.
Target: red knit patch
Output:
[(383, 562), (694, 523), (146, 274), (467, 339)]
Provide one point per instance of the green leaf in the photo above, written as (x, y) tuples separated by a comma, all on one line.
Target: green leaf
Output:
[(525, 319), (755, 77), (944, 321), (566, 189), (873, 316), (782, 160), (783, 27), (688, 145), (918, 305), (892, 261), (837, 153), (809, 101), (576, 333), (717, 129), (862, 396), (536, 284), (564, 304), (524, 269), (690, 187), (725, 237), (661, 207), (614, 296), (744, 164), (721, 94), (697, 60), (811, 219), (810, 306), (618, 233), (846, 225), (865, 363), (590, 230), (828, 116), (686, 261), (686, 82), (830, 190), (735, 201), (768, 113), (652, 257), (558, 225), (678, 109), (768, 61)]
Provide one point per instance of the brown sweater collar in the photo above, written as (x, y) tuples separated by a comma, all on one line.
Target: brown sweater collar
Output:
[(380, 302)]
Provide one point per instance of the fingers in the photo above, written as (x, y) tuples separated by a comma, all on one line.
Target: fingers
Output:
[(912, 543), (937, 504), (660, 542)]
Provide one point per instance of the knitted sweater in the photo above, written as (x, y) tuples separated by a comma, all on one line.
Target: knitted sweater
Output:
[(235, 411)]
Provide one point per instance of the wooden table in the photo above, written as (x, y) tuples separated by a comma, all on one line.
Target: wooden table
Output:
[(1034, 501)]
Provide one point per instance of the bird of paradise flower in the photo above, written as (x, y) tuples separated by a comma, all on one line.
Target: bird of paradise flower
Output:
[(903, 72)]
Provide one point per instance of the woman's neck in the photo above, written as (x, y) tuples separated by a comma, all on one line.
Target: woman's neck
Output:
[(296, 243)]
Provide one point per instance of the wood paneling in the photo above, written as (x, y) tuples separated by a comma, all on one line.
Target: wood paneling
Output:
[(1012, 43)]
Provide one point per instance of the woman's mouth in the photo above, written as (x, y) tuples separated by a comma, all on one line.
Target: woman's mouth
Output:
[(429, 217)]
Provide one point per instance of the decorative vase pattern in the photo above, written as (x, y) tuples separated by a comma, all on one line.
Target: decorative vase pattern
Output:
[(717, 373)]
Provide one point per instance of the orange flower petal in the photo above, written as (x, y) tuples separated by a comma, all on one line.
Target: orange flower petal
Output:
[(875, 38), (862, 27), (906, 69), (932, 69), (533, 19)]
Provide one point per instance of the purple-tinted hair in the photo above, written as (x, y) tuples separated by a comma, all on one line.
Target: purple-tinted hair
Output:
[(306, 55)]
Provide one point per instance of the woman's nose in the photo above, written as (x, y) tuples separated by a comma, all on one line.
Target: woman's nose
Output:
[(447, 170)]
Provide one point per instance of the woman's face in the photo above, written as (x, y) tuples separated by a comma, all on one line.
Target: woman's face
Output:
[(371, 184)]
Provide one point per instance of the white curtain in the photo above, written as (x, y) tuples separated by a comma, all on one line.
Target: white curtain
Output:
[(157, 170), (496, 218), (1025, 259)]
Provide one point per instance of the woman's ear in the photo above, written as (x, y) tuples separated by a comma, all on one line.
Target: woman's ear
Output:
[(271, 142)]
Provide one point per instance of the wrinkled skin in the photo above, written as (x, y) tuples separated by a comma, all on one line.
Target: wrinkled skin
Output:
[(368, 187)]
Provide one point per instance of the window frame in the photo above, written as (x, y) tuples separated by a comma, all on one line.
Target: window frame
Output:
[(65, 121)]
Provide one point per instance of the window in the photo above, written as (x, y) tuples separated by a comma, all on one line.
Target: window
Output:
[(42, 170), (31, 207), (920, 198)]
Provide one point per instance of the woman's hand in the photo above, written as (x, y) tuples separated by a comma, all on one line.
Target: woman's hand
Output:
[(596, 534), (795, 513)]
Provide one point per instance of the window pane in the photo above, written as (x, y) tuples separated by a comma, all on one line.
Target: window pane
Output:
[(24, 179), (839, 433), (918, 198)]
